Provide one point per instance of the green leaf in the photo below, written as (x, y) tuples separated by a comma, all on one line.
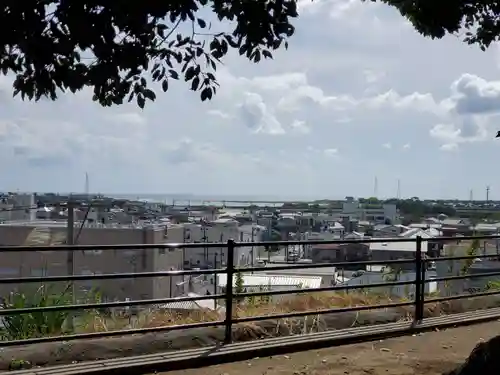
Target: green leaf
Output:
[(201, 23), (173, 74), (141, 101), (190, 72), (206, 93), (267, 54), (195, 83), (164, 85), (149, 94)]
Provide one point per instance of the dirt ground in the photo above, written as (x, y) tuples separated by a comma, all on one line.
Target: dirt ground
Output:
[(430, 353)]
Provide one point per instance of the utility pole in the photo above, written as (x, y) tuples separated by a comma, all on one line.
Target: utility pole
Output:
[(70, 240)]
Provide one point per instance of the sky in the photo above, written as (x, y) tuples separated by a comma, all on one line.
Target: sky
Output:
[(358, 96)]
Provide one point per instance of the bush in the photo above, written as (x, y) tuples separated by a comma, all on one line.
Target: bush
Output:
[(34, 324)]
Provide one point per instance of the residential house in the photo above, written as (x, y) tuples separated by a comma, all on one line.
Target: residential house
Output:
[(381, 251), (387, 231), (339, 252)]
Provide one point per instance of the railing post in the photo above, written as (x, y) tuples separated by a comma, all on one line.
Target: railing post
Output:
[(418, 282), (229, 292), (422, 286)]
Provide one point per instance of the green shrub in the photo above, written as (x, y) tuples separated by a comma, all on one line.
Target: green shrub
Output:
[(34, 324)]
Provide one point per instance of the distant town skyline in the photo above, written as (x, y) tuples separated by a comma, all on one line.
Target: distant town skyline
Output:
[(180, 198)]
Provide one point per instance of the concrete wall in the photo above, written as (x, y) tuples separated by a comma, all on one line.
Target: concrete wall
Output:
[(25, 264)]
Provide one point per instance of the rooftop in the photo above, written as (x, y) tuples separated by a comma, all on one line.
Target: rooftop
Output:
[(306, 271), (204, 304), (274, 280), (397, 246)]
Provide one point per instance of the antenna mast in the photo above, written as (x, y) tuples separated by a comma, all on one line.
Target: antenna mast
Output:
[(86, 184)]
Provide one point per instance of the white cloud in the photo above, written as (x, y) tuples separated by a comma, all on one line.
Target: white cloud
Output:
[(449, 147), (468, 129), (331, 152), (346, 89), (257, 117), (372, 77), (219, 114), (300, 127), (475, 95), (129, 118)]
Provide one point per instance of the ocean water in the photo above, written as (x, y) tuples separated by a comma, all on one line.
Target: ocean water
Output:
[(193, 199)]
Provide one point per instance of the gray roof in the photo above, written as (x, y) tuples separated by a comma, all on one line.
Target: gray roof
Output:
[(378, 277)]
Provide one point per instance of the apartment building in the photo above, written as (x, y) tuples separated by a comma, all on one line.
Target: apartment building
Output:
[(386, 213), (55, 263), (220, 230)]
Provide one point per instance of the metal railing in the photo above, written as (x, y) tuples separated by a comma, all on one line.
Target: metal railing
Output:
[(230, 297)]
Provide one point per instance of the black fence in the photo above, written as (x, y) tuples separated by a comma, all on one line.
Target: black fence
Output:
[(230, 297)]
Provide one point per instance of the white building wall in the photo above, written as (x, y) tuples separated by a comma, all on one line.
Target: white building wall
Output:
[(213, 256)]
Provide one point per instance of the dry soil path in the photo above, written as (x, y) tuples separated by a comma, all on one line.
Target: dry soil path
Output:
[(430, 353)]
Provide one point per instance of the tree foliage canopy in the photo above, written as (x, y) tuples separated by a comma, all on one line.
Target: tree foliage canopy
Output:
[(479, 19), (118, 47)]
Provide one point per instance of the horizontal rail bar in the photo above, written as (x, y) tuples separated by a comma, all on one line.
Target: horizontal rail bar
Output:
[(236, 244), (462, 296), (322, 312), (103, 305), (137, 275), (461, 257), (193, 325), (322, 289), (148, 246), (109, 276), (4, 312), (363, 241), (462, 277), (125, 332), (325, 265)]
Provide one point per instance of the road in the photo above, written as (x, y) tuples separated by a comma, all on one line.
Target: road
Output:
[(426, 354)]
